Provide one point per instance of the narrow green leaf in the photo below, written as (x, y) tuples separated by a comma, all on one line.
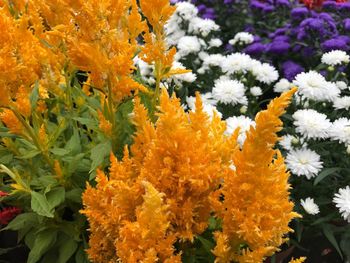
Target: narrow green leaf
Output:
[(325, 173), (40, 205), (29, 155), (43, 242), (345, 244), (324, 219), (327, 231), (59, 151), (34, 96), (55, 197), (99, 153), (208, 245)]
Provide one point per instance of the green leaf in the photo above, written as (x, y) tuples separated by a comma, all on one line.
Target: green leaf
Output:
[(327, 231), (59, 151), (29, 155), (208, 245), (86, 121), (324, 219), (22, 221), (80, 256), (325, 173), (74, 145), (99, 153), (44, 240), (6, 159), (55, 197), (67, 250), (40, 205), (34, 96), (74, 195), (345, 244)]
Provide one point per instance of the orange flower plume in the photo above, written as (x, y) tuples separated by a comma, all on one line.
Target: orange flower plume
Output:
[(256, 209), (179, 167)]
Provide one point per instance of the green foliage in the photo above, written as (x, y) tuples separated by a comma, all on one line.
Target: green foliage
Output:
[(47, 171)]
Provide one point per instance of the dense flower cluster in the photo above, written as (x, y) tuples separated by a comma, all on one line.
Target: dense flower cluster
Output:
[(179, 169), (287, 39)]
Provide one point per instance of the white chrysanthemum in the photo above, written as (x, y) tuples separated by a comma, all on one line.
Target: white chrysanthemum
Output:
[(243, 122), (186, 10), (213, 60), (335, 57), (342, 202), (229, 92), (256, 91), (314, 86), (207, 99), (215, 42), (145, 68), (309, 206), (236, 62), (242, 38), (311, 124), (287, 141), (174, 35), (342, 103), (178, 79), (304, 162), (210, 110), (340, 130), (202, 26), (265, 73), (282, 85), (341, 85), (187, 45)]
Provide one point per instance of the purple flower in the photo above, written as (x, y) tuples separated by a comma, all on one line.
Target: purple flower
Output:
[(255, 49), (282, 38), (299, 13), (334, 44), (278, 47), (346, 22), (283, 3), (344, 7), (330, 5), (228, 48), (308, 51), (291, 69)]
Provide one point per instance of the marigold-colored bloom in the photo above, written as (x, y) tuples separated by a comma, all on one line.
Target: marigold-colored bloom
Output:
[(104, 125), (256, 210), (298, 260), (181, 156), (11, 121)]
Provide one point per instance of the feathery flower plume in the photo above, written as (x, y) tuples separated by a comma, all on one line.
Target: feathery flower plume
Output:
[(260, 181), (182, 156)]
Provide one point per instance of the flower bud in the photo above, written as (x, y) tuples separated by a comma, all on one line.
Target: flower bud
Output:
[(243, 109)]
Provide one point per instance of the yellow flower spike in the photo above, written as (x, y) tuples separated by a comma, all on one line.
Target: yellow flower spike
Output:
[(298, 260), (11, 122), (256, 209), (43, 138), (148, 238), (104, 125)]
